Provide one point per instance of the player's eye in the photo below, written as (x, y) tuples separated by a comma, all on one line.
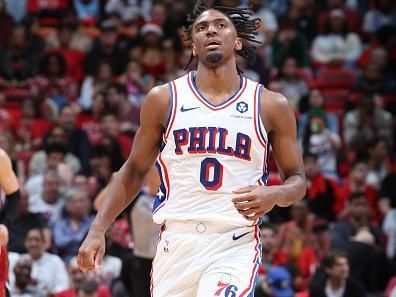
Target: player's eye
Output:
[(201, 28), (221, 25)]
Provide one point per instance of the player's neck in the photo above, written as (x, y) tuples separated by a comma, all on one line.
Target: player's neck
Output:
[(217, 83)]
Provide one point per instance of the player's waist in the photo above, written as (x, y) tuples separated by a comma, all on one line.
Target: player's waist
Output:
[(200, 227)]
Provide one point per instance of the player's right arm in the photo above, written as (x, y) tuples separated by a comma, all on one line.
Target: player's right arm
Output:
[(126, 184)]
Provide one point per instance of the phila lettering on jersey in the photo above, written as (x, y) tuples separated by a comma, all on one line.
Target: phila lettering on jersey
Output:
[(208, 151)]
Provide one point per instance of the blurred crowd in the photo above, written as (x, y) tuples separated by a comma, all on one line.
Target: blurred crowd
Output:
[(73, 75)]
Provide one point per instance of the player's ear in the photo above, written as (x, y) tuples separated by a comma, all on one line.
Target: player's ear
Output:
[(193, 49), (238, 44)]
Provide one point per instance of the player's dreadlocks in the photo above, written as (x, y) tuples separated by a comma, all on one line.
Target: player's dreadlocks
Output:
[(245, 25)]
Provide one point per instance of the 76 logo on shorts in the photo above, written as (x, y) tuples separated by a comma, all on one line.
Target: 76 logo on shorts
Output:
[(229, 290)]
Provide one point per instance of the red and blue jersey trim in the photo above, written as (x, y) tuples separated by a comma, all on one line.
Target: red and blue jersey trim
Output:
[(206, 102), (257, 261), (160, 201), (172, 108)]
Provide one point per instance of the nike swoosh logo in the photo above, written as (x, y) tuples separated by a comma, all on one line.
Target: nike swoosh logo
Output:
[(240, 236), (182, 109)]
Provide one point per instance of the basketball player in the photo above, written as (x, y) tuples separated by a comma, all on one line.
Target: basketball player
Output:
[(212, 155), (9, 200)]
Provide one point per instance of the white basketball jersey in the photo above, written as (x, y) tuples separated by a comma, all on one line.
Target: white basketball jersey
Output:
[(208, 151)]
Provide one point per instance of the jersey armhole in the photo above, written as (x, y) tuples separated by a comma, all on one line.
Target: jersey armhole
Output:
[(259, 125), (172, 108)]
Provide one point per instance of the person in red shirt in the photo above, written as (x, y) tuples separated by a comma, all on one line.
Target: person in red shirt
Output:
[(320, 189), (82, 284), (295, 234), (311, 256), (270, 255), (356, 182)]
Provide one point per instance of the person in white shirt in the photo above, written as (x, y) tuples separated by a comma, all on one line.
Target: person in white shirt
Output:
[(49, 202), (48, 270), (337, 44)]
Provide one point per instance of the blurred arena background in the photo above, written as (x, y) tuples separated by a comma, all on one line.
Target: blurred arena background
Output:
[(73, 74)]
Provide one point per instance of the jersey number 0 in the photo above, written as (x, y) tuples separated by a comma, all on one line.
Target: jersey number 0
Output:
[(211, 182)]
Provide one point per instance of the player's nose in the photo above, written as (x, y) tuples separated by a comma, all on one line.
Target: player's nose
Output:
[(212, 30)]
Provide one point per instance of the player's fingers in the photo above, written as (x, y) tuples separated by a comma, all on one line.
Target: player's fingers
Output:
[(246, 205), (98, 258), (248, 212), (244, 197), (243, 190), (85, 260)]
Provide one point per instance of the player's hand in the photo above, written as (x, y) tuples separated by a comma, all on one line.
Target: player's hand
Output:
[(254, 201), (91, 252), (3, 235)]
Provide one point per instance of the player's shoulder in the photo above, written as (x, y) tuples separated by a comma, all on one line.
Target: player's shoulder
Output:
[(273, 101), (156, 103)]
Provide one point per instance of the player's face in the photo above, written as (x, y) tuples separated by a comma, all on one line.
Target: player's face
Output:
[(214, 38)]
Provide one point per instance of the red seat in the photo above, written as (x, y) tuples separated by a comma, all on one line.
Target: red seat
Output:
[(336, 78), (16, 94), (335, 100)]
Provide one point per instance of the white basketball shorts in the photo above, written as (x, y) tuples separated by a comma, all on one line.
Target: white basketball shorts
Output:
[(196, 259)]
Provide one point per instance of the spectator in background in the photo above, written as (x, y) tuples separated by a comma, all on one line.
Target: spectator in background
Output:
[(24, 285), (357, 225), (321, 191), (6, 25), (337, 43), (371, 80), (152, 60), (322, 142), (74, 58), (101, 164), (293, 86), (356, 182), (91, 123), (301, 13), (383, 14), (278, 283), (127, 114), (106, 49), (294, 235), (269, 23), (95, 84), (30, 128), (17, 62), (270, 255), (78, 279), (72, 227), (25, 221), (316, 100), (365, 122), (111, 129), (353, 18), (49, 201), (136, 82), (311, 256), (130, 9), (388, 193), (89, 11), (52, 81), (16, 9), (334, 278), (379, 163), (39, 162), (289, 43), (77, 139), (144, 233), (48, 271), (49, 13)]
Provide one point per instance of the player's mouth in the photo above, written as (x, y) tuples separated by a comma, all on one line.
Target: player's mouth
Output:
[(212, 44)]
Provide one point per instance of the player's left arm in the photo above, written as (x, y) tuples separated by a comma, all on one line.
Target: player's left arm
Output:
[(280, 123)]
